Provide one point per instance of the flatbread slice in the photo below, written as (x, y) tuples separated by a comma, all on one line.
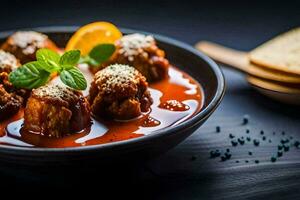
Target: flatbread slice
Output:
[(281, 53)]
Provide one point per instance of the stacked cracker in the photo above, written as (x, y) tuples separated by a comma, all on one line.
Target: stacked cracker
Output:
[(280, 56)]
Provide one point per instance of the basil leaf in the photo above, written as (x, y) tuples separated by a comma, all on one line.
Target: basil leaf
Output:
[(29, 76), (70, 58), (73, 78), (102, 53), (49, 58)]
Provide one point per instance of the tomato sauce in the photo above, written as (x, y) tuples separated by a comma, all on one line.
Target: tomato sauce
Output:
[(176, 99)]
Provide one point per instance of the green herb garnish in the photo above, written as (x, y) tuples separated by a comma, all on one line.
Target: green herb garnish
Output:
[(99, 54), (37, 73)]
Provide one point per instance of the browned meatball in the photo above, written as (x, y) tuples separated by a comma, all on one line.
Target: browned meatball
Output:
[(10, 100), (24, 44), (119, 92), (8, 62), (8, 86), (10, 103), (56, 111), (141, 52)]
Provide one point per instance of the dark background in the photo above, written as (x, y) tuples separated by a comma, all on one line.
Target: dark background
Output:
[(175, 175)]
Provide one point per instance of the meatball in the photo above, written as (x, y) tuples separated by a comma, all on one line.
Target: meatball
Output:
[(10, 99), (10, 103), (8, 86), (56, 111), (24, 44), (141, 52), (8, 62), (119, 92)]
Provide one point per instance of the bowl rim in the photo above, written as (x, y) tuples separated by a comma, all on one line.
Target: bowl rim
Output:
[(192, 121)]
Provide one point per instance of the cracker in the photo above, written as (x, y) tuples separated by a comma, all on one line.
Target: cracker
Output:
[(281, 53), (274, 86)]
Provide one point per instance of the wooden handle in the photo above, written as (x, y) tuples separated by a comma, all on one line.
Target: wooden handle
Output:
[(224, 55)]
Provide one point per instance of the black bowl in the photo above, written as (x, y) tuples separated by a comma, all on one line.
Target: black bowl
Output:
[(203, 69)]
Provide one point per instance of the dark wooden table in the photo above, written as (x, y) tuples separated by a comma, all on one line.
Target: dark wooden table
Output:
[(187, 171)]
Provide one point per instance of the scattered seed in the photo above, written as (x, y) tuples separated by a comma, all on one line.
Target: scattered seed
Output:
[(247, 131), (234, 143), (264, 138), (270, 141), (273, 159), (231, 136), (283, 132), (245, 119), (218, 129), (227, 150), (291, 137), (280, 147), (279, 153), (214, 154), (256, 142), (297, 144), (227, 155), (246, 161), (237, 161), (262, 132), (250, 153), (223, 158), (286, 148), (248, 139), (274, 133), (256, 161), (283, 141), (241, 141)]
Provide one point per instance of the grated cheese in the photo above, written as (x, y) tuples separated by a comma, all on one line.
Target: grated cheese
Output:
[(8, 60)]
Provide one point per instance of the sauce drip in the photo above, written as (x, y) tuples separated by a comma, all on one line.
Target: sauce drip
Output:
[(175, 99)]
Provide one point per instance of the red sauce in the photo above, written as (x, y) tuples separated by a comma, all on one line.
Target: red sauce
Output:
[(176, 99), (174, 105)]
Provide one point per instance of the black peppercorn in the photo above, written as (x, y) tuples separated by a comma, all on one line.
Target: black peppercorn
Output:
[(223, 158), (227, 155), (256, 142), (286, 147), (241, 141), (234, 143), (245, 119)]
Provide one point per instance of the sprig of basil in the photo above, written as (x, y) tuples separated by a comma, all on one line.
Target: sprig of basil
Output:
[(73, 78), (37, 73), (98, 55), (30, 75)]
